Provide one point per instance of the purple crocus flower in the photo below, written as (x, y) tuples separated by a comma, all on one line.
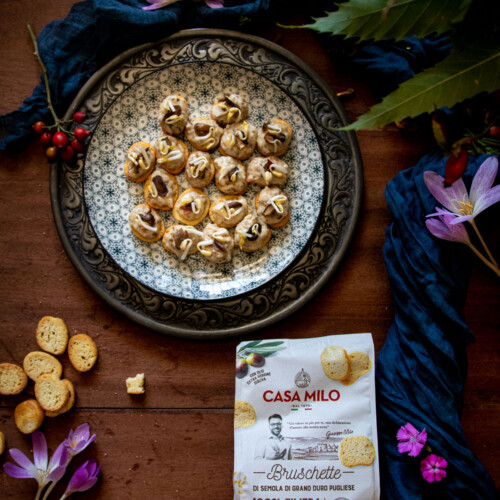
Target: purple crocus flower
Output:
[(83, 479), (42, 470), (455, 198), (410, 440), (78, 440), (158, 4), (445, 228)]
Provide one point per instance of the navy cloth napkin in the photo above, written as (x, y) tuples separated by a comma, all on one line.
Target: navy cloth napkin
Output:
[(422, 367), (387, 64), (95, 31)]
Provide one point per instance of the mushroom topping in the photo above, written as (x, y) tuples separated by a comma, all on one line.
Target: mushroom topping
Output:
[(160, 186), (253, 232), (172, 112), (140, 157), (230, 209), (231, 108), (198, 166), (147, 221)]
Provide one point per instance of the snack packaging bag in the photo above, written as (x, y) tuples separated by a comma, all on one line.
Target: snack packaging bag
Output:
[(305, 419)]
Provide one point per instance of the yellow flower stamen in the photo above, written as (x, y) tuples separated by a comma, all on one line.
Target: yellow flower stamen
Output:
[(467, 208)]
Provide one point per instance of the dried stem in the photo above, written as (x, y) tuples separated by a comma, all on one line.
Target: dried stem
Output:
[(45, 78), (492, 266), (473, 224)]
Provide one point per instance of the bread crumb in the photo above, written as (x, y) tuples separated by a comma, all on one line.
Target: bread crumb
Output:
[(135, 385)]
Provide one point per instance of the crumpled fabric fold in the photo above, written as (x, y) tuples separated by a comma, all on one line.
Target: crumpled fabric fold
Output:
[(422, 367), (387, 64)]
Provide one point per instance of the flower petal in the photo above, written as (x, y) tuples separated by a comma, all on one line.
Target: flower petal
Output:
[(59, 457), (487, 199), (428, 475), (22, 460), (406, 432), (416, 448), (448, 196), (422, 437), (460, 219), (456, 232), (439, 474), (215, 4), (404, 447), (39, 450), (57, 473), (158, 4), (17, 472), (78, 479), (82, 432), (484, 178)]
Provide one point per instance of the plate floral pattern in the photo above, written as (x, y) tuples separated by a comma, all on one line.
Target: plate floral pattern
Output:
[(110, 197), (91, 197)]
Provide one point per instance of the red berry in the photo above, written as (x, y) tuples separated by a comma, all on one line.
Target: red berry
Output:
[(60, 139), (46, 138), (51, 153), (38, 127), (494, 131), (67, 153), (77, 145), (455, 167), (79, 117), (81, 134)]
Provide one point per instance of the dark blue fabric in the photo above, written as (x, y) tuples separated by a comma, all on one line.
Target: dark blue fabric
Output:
[(422, 367), (387, 64), (95, 31)]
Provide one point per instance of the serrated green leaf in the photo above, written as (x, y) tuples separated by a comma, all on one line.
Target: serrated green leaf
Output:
[(460, 76), (382, 19)]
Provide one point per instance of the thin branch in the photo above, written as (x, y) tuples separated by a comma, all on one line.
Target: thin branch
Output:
[(45, 76)]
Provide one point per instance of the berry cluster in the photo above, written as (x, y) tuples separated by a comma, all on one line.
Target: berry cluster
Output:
[(61, 142)]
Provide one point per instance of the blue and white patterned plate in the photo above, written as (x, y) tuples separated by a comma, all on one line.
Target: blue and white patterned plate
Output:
[(91, 197), (110, 196)]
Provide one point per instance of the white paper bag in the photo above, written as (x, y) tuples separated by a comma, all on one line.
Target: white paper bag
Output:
[(305, 419)]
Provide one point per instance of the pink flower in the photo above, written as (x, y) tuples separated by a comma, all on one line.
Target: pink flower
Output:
[(432, 468), (41, 469), (445, 227), (457, 201), (158, 4), (83, 479), (78, 440), (410, 440)]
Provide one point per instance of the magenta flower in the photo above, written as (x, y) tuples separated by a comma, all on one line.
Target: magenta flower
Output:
[(158, 4), (432, 468), (42, 470), (455, 198), (410, 440), (445, 228), (78, 440), (83, 479)]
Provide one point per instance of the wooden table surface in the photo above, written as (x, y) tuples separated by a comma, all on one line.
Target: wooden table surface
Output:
[(176, 441)]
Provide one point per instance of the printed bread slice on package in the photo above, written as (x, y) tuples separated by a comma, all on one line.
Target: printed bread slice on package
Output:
[(305, 419)]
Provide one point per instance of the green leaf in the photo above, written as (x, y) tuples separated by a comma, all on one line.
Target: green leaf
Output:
[(460, 76), (267, 351), (250, 344), (272, 344), (385, 19)]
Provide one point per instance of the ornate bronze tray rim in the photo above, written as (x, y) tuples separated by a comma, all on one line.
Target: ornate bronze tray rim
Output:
[(226, 317)]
